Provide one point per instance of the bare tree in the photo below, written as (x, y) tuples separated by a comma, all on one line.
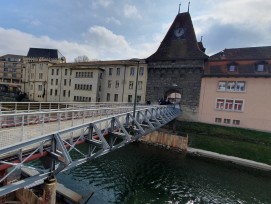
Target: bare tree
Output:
[(82, 58)]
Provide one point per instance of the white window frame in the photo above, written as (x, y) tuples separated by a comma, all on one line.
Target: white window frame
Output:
[(228, 104)]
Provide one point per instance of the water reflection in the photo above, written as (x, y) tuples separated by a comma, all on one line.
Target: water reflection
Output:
[(139, 173)]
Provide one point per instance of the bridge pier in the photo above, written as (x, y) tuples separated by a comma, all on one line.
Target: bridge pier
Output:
[(2, 174), (49, 191)]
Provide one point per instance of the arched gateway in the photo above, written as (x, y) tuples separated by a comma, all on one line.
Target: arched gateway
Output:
[(177, 66)]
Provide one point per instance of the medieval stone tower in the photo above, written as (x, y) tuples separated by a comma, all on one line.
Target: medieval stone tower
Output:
[(177, 67)]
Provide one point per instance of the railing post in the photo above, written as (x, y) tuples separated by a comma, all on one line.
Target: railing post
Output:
[(42, 129), (22, 127)]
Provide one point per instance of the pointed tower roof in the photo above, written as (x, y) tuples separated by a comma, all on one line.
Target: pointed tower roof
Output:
[(180, 42)]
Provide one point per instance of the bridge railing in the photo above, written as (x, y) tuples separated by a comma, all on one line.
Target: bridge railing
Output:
[(17, 107), (18, 127)]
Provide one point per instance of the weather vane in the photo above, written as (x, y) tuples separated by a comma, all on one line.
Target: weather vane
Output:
[(188, 6), (179, 7)]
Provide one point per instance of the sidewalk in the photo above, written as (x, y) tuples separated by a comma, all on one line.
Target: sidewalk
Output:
[(234, 160)]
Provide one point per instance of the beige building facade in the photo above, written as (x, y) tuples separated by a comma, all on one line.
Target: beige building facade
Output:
[(11, 67), (119, 81), (235, 89), (35, 72), (97, 81)]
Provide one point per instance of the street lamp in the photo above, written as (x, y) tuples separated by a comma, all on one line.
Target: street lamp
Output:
[(135, 99)]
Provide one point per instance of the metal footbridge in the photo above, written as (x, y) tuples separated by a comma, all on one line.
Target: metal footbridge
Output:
[(66, 135)]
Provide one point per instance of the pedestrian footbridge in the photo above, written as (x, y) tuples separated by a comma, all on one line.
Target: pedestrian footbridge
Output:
[(66, 135)]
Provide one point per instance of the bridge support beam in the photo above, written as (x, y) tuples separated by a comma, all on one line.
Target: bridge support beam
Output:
[(49, 191), (2, 174)]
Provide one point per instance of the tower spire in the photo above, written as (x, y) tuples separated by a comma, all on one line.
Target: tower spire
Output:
[(188, 6), (179, 7)]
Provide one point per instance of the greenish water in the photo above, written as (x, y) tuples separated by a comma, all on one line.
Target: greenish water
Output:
[(139, 173)]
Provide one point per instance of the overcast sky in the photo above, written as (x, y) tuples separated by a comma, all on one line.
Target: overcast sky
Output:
[(123, 29)]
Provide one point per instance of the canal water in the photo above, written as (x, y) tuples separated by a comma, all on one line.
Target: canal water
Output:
[(139, 173)]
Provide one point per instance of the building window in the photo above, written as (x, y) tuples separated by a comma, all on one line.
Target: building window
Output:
[(227, 121), (40, 87), (70, 82), (220, 104), (116, 97), (91, 74), (238, 105), (109, 84), (236, 122), (238, 86), (132, 71), (110, 71), (232, 68), (222, 86), (55, 92), (139, 85), (108, 97), (51, 92), (141, 71), (65, 82), (231, 86), (57, 71), (130, 97), (66, 71), (117, 84), (40, 75), (230, 104), (69, 93), (52, 71), (101, 75), (118, 71), (260, 68), (138, 99), (52, 81), (218, 120), (64, 93), (56, 81), (131, 84)]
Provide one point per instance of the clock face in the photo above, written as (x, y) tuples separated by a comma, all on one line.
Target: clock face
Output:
[(179, 32)]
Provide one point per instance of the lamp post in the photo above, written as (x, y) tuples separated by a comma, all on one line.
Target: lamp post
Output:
[(135, 98)]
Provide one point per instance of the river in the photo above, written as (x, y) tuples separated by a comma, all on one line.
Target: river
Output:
[(139, 173)]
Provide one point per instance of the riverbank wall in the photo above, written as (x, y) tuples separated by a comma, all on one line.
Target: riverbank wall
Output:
[(166, 139)]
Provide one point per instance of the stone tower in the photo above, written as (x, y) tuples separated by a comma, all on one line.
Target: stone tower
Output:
[(177, 67)]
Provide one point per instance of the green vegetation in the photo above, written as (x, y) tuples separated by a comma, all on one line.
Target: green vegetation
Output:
[(247, 144)]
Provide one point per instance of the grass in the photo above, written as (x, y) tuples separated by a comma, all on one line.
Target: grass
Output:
[(243, 143)]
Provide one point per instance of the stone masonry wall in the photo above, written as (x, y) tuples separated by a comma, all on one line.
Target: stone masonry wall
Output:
[(183, 77)]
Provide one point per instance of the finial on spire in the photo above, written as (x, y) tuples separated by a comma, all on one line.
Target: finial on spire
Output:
[(201, 38), (179, 8), (188, 6)]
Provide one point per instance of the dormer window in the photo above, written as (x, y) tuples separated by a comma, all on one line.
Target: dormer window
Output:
[(260, 67), (232, 68)]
